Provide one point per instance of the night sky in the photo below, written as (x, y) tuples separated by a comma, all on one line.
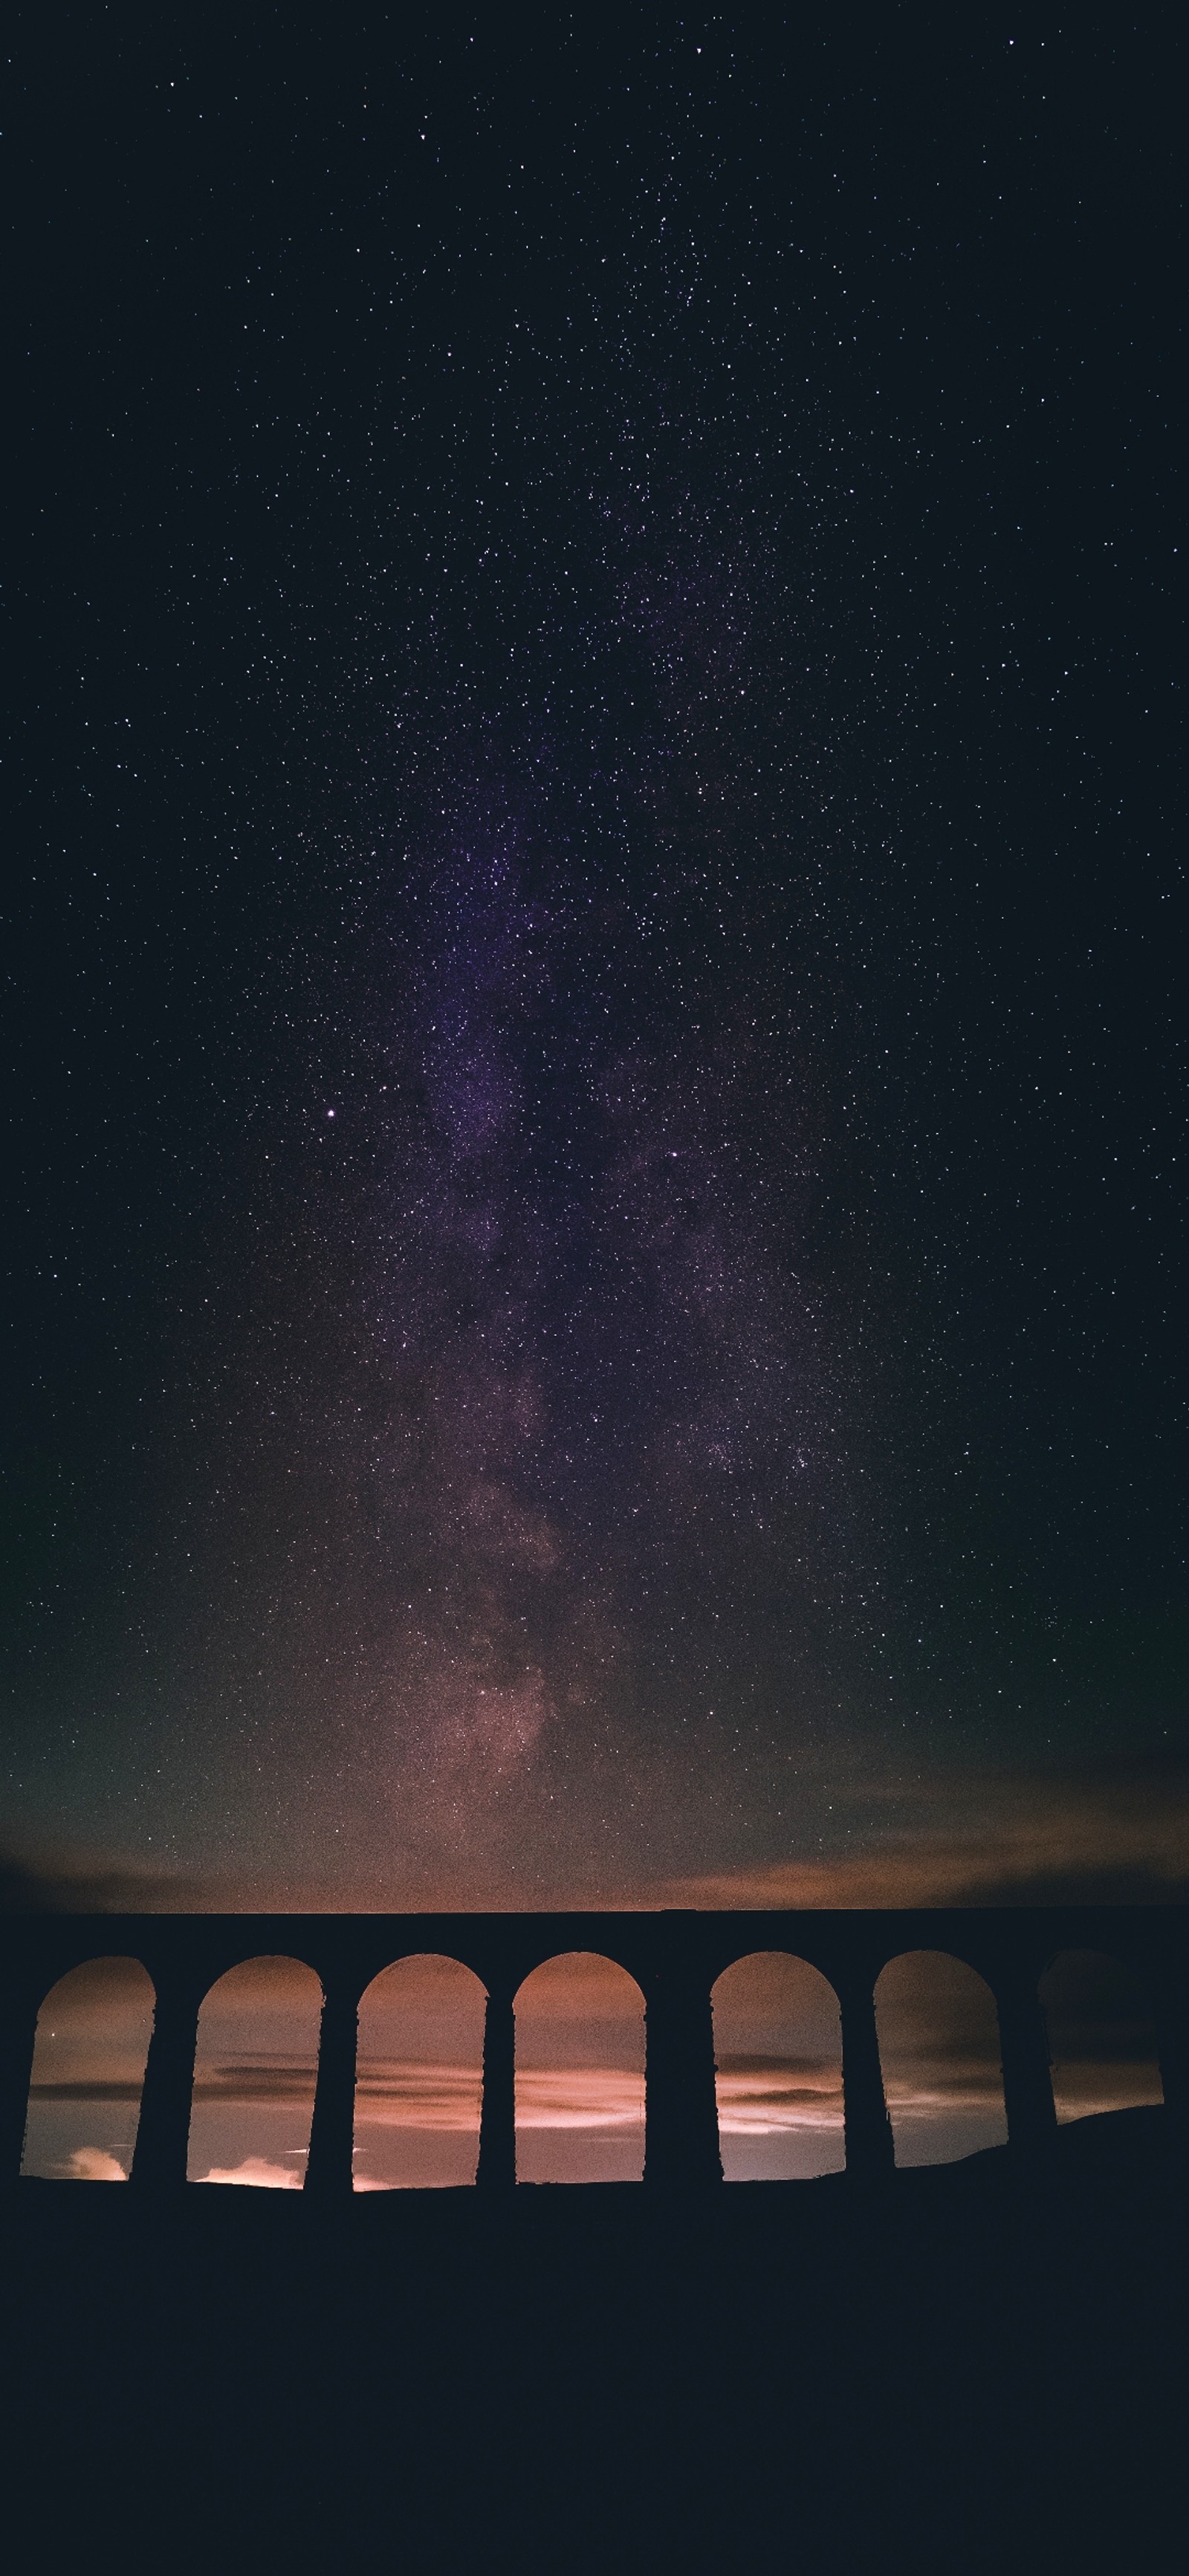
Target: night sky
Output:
[(592, 940)]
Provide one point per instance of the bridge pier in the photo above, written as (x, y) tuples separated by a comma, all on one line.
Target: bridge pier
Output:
[(330, 2165), (681, 2106), (1028, 2103), (18, 2034), (497, 2117), (1172, 2047), (870, 2150), (163, 2130)]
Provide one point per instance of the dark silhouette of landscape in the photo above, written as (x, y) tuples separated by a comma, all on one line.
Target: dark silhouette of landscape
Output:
[(973, 2365)]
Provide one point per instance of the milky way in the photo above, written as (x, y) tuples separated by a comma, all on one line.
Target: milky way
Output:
[(583, 1419), (593, 1238)]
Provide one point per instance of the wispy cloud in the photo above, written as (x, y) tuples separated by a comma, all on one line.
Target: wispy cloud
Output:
[(406, 2093), (66, 1882), (1118, 1836), (89, 2088), (257, 2080), (1113, 1834), (763, 2096), (579, 2097)]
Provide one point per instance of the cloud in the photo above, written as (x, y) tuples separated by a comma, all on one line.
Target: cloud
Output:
[(1117, 1833), (93, 2164), (396, 2093), (90, 2088), (67, 1883), (257, 2080), (763, 2096), (908, 2096), (1116, 1836), (259, 2172), (579, 2097)]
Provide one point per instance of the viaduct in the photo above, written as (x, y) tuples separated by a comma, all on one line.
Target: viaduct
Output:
[(675, 1958)]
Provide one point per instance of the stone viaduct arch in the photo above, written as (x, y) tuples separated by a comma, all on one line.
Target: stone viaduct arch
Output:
[(675, 1959), (1101, 2032), (89, 2056), (940, 2048), (419, 2074), (256, 2064), (778, 2068), (580, 2071)]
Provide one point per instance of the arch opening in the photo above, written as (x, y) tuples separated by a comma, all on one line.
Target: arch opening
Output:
[(1102, 2039), (579, 2072), (254, 2075), (419, 2084), (939, 2048), (89, 2056), (778, 2070)]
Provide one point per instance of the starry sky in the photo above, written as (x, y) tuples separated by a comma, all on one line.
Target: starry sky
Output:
[(594, 1092)]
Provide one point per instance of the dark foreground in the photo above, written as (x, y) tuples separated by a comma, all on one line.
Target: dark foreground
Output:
[(964, 2371)]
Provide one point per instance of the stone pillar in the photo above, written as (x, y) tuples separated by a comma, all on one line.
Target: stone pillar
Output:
[(870, 2151), (681, 2108), (331, 2160), (1024, 2048), (497, 2119), (163, 2130), (18, 2031)]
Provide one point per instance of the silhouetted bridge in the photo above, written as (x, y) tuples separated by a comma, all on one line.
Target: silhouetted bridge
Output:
[(675, 1958)]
